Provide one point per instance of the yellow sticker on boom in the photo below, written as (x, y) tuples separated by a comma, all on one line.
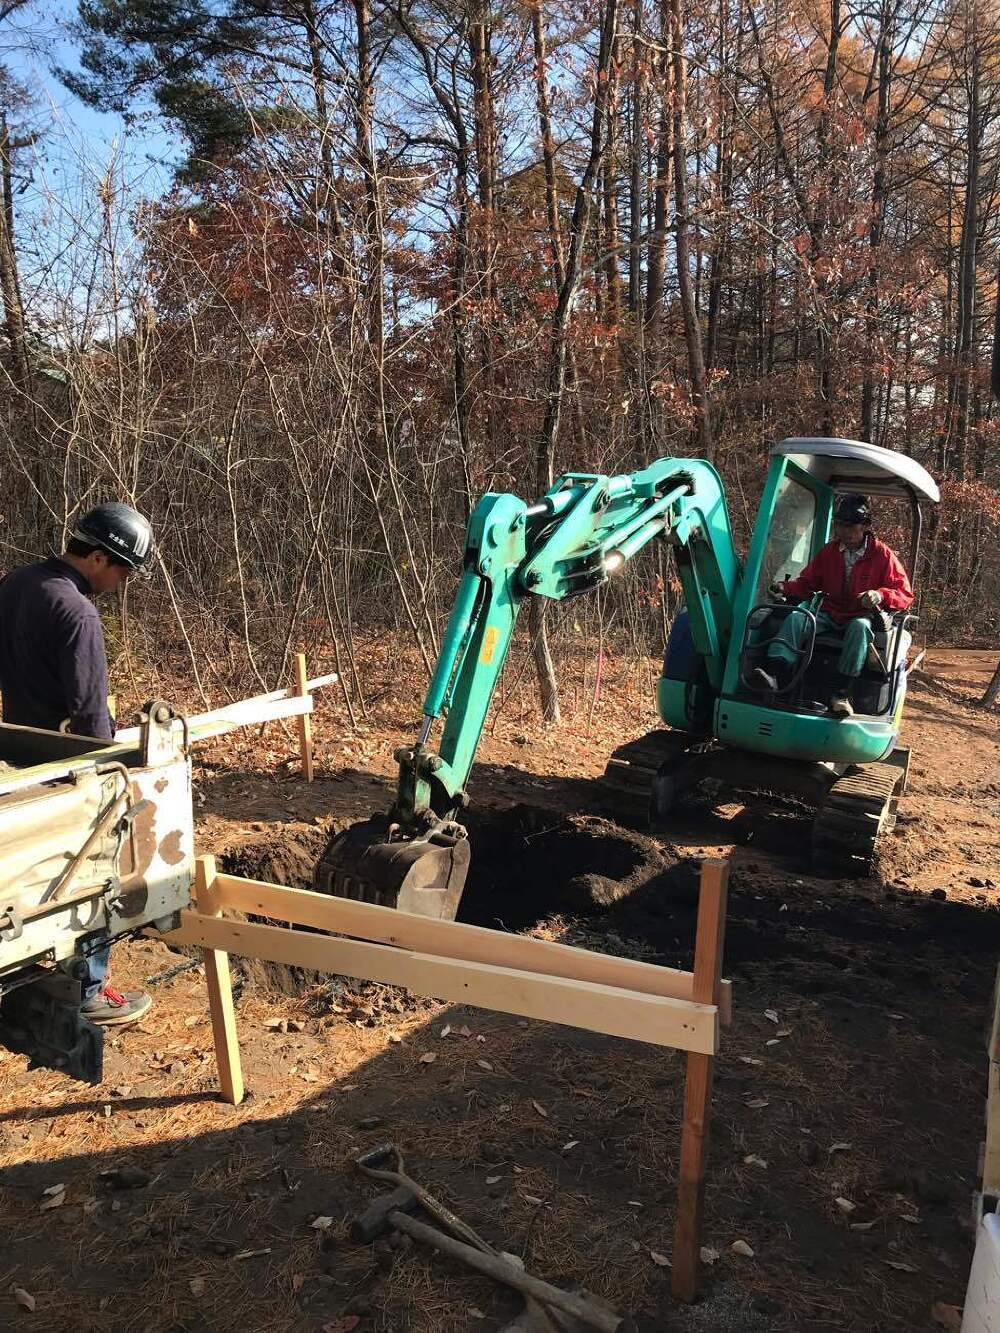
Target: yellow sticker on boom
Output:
[(489, 645)]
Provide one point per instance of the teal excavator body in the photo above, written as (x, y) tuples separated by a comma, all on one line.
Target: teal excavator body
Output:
[(719, 725)]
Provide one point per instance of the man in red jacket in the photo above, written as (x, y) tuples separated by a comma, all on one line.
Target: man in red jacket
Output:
[(857, 574)]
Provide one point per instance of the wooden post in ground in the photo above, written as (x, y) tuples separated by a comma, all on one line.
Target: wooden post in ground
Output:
[(698, 1083), (220, 992), (305, 721)]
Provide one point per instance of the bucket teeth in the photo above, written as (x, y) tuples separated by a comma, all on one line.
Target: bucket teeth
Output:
[(422, 876)]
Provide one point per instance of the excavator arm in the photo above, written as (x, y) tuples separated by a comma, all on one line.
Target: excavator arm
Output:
[(581, 533)]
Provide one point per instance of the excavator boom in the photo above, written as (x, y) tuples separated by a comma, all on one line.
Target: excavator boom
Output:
[(582, 532)]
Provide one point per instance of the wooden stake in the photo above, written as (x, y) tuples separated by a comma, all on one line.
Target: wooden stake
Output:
[(220, 992), (698, 1083), (305, 721)]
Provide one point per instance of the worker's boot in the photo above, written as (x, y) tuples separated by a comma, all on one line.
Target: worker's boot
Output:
[(109, 1008), (772, 680), (840, 699)]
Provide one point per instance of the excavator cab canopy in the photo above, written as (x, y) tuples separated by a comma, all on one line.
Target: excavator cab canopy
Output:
[(851, 465)]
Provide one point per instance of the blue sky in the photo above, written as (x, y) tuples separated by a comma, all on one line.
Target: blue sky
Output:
[(69, 245), (32, 45)]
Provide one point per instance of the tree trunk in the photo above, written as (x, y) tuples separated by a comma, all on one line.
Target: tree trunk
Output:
[(548, 147), (692, 329), (22, 422), (967, 270), (656, 261), (485, 140), (877, 223), (482, 89), (724, 157), (10, 285), (377, 425), (559, 338), (327, 204), (445, 98), (610, 240), (992, 690), (553, 220), (827, 313), (635, 211)]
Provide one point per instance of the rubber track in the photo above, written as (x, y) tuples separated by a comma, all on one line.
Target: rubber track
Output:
[(857, 812), (628, 777)]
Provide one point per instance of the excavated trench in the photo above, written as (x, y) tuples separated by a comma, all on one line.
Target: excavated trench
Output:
[(529, 866), (593, 882)]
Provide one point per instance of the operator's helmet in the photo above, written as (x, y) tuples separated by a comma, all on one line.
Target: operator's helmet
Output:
[(853, 509), (120, 530)]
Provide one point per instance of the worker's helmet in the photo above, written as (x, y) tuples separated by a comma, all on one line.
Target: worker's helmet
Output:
[(120, 530), (853, 509)]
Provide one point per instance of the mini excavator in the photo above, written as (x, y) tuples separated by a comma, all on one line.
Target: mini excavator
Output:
[(720, 724)]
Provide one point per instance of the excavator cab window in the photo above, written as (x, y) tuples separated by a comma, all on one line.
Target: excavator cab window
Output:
[(790, 537)]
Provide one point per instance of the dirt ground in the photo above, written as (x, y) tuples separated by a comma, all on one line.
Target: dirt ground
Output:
[(854, 1068)]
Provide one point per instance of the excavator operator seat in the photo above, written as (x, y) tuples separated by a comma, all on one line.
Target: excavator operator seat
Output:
[(883, 675)]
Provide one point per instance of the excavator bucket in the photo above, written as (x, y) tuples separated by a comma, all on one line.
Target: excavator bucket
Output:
[(424, 875)]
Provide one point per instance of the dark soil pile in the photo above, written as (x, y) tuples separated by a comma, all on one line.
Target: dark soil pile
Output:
[(278, 854)]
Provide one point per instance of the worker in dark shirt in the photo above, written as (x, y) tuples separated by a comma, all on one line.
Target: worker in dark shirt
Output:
[(54, 669)]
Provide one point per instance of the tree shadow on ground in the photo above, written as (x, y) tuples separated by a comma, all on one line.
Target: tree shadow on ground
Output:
[(923, 708), (881, 998), (558, 1144)]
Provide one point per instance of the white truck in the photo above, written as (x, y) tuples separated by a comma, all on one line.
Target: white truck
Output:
[(97, 843)]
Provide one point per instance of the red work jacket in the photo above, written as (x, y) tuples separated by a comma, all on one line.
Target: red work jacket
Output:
[(878, 567)]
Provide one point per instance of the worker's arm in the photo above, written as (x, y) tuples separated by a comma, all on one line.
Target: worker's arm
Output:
[(895, 590), (83, 670)]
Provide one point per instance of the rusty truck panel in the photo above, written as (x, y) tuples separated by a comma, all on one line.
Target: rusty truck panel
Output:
[(96, 842)]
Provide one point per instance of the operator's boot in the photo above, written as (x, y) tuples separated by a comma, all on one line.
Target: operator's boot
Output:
[(772, 680), (109, 1008), (840, 699)]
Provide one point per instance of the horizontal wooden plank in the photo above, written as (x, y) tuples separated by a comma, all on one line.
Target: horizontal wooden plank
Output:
[(452, 939), (247, 715), (615, 1011)]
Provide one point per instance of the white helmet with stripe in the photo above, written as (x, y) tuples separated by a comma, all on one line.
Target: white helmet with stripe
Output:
[(120, 530)]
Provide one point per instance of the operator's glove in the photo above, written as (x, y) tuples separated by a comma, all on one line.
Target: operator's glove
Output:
[(870, 600), (777, 590)]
